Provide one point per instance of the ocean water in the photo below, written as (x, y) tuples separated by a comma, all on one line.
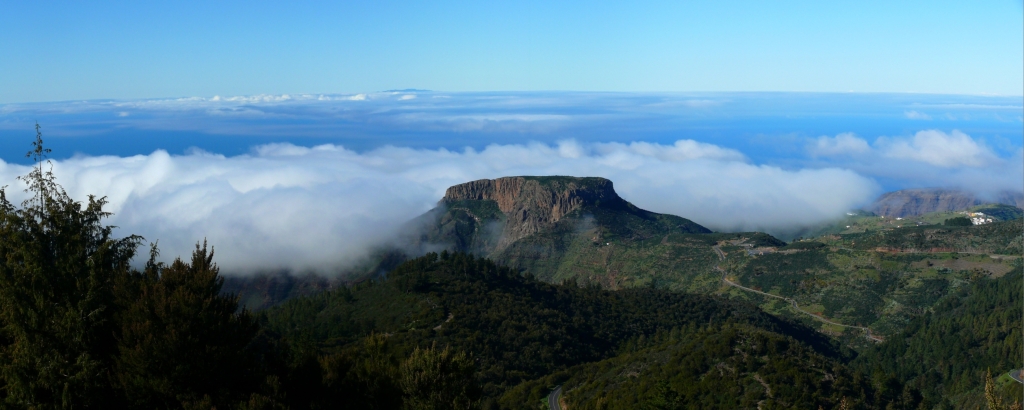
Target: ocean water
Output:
[(770, 128)]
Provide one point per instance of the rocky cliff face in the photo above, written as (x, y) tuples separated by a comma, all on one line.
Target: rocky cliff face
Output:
[(531, 204), (912, 202), (1012, 198)]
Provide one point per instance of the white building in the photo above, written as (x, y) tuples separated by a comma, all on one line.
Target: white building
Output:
[(981, 220)]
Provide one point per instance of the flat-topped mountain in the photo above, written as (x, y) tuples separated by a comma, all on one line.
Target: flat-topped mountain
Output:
[(913, 202), (531, 204), (557, 227), (554, 227)]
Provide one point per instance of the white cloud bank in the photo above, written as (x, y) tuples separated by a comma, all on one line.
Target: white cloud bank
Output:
[(915, 115), (929, 158), (842, 144), (292, 207), (932, 147), (937, 148)]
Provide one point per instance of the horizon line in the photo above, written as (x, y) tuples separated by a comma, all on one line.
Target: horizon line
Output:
[(221, 97)]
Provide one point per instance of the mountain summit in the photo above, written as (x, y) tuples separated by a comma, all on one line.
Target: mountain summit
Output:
[(556, 227), (913, 202), (532, 204)]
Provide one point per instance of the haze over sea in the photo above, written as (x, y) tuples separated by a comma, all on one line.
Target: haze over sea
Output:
[(306, 181)]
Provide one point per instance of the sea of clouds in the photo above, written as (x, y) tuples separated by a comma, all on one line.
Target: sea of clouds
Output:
[(929, 158), (292, 207), (298, 206)]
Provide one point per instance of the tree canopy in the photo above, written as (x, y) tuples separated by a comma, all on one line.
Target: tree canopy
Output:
[(80, 327)]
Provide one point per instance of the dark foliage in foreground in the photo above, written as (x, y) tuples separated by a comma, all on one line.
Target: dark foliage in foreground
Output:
[(708, 367), (516, 328), (80, 328)]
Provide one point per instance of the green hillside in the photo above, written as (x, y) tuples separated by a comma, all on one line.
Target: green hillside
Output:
[(879, 280), (516, 327), (945, 353), (869, 280), (863, 221), (648, 348), (728, 367), (859, 286), (1000, 212), (519, 329)]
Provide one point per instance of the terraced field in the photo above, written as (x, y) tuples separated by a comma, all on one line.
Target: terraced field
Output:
[(878, 280)]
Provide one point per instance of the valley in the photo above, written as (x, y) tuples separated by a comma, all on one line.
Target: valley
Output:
[(869, 279), (839, 302), (523, 292), (864, 286)]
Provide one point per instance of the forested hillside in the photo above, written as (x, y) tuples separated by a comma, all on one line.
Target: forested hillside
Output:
[(646, 348), (713, 367), (944, 354), (517, 328), (879, 280)]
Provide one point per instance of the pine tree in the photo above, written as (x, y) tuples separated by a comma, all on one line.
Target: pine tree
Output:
[(364, 377), (58, 268), (435, 379), (182, 341), (995, 402), (81, 328)]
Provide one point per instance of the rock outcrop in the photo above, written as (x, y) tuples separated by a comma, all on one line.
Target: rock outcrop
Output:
[(1011, 198), (913, 202), (531, 204)]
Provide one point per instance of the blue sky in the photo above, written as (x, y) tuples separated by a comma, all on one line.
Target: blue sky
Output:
[(300, 136), (88, 50)]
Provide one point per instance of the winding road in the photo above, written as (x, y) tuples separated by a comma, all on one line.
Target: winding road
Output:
[(1015, 375), (795, 305), (553, 399)]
